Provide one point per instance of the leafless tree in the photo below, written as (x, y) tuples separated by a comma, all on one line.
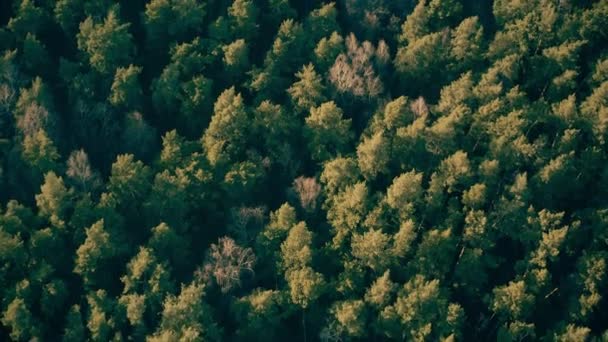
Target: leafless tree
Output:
[(80, 171), (353, 72), (225, 264), (246, 222), (308, 191)]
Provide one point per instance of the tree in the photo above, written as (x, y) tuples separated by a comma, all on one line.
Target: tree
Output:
[(305, 286), (327, 49), (327, 132), (236, 56), (186, 317), (280, 62), (226, 263), (262, 312), (107, 45), (466, 43), (339, 173), (126, 90), (373, 249), (79, 171), (170, 246), (373, 155), (20, 320), (223, 139), (351, 315), (322, 21), (347, 211), (423, 60), (53, 199), (168, 21), (276, 127), (422, 311), (308, 191), (296, 250), (307, 92), (103, 322), (274, 233), (405, 192), (243, 15), (35, 55), (128, 179), (354, 72), (381, 292), (92, 256), (512, 301), (40, 152), (138, 136), (74, 330), (28, 18), (435, 254)]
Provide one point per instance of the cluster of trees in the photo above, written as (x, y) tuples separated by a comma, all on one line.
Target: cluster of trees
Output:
[(186, 170)]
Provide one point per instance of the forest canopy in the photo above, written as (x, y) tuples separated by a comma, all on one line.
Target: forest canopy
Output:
[(240, 170)]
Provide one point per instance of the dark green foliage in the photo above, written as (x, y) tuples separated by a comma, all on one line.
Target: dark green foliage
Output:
[(353, 170)]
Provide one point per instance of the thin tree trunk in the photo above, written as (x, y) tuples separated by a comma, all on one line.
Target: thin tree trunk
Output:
[(304, 323)]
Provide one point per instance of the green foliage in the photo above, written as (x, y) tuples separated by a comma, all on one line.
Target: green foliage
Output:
[(296, 249), (126, 90), (95, 250), (40, 152), (188, 170), (307, 92), (172, 20), (186, 317), (108, 45), (305, 286), (328, 132), (223, 139)]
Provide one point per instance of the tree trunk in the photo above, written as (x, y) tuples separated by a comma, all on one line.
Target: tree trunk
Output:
[(304, 323)]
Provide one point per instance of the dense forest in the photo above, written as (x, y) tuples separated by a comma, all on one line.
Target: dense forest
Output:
[(258, 170)]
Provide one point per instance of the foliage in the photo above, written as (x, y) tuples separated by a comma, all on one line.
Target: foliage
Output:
[(188, 170)]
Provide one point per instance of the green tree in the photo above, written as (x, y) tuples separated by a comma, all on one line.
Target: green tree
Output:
[(21, 321), (328, 133), (305, 286), (422, 311), (107, 45), (347, 211), (40, 152), (373, 155), (381, 291), (307, 92), (168, 21), (93, 255), (373, 249), (129, 179), (186, 317), (262, 314), (53, 200), (296, 250), (351, 316), (224, 139), (236, 56), (243, 17), (74, 328), (126, 90), (29, 18)]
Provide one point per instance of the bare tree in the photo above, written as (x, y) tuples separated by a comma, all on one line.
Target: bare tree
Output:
[(353, 72), (246, 222), (308, 191), (226, 262), (80, 171)]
